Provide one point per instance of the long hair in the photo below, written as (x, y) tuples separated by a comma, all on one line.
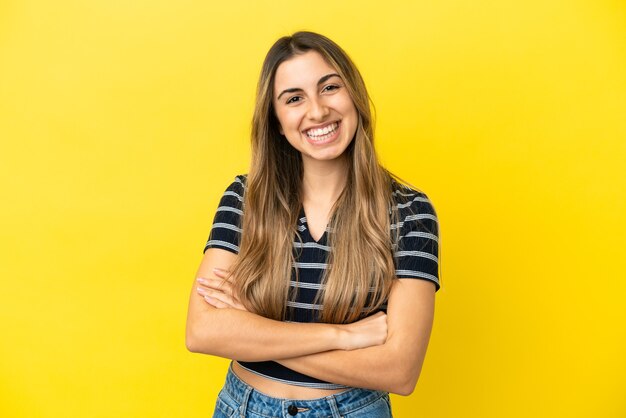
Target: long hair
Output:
[(361, 267)]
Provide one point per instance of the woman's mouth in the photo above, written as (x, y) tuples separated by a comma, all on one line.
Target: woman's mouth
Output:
[(323, 135)]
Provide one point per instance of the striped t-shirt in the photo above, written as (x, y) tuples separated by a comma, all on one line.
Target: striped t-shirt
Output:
[(416, 256)]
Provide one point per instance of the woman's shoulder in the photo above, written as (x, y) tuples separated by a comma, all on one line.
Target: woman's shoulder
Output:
[(408, 196), (233, 196), (237, 185), (240, 179), (416, 215), (402, 188)]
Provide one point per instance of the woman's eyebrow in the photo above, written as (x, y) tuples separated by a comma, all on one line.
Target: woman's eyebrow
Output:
[(321, 80)]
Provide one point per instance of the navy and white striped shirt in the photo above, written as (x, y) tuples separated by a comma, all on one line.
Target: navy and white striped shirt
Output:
[(416, 256)]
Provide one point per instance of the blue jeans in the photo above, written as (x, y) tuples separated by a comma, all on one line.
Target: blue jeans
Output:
[(238, 399)]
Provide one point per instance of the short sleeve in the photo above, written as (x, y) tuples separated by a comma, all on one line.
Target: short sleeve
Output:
[(417, 250), (226, 229)]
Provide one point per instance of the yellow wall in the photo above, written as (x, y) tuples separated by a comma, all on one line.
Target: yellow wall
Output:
[(121, 122)]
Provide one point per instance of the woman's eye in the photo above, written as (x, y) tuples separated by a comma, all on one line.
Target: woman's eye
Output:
[(331, 87), (293, 99)]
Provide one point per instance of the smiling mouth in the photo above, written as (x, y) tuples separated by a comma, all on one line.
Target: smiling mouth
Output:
[(324, 133)]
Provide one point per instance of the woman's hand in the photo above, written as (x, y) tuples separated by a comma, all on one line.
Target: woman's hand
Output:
[(219, 293), (365, 333)]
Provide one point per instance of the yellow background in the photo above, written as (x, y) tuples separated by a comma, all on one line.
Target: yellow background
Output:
[(121, 123)]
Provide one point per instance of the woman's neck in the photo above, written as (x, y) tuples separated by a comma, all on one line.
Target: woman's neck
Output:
[(323, 181)]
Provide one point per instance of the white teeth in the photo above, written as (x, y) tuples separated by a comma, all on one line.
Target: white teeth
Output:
[(316, 133)]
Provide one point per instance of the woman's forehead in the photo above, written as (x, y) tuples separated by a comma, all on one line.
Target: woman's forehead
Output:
[(301, 71)]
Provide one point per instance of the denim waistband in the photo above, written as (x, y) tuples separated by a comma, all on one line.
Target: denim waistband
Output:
[(340, 403)]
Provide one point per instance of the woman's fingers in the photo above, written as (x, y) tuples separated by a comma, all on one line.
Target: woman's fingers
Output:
[(215, 302), (221, 300), (225, 299), (216, 284), (218, 293), (224, 274)]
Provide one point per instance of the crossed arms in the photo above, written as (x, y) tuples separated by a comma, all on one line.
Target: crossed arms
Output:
[(382, 352)]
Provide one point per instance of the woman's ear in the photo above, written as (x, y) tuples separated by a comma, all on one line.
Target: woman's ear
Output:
[(280, 129)]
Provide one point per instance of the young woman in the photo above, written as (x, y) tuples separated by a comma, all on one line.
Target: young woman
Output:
[(319, 276)]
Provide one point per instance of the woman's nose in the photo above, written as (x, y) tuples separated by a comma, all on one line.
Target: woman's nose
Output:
[(318, 110)]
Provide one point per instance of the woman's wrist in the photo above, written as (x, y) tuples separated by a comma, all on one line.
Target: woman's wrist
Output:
[(342, 337)]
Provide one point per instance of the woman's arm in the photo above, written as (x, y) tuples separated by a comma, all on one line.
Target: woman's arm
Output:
[(241, 335), (394, 366)]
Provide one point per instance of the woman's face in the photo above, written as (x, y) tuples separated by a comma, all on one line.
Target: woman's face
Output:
[(313, 107)]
